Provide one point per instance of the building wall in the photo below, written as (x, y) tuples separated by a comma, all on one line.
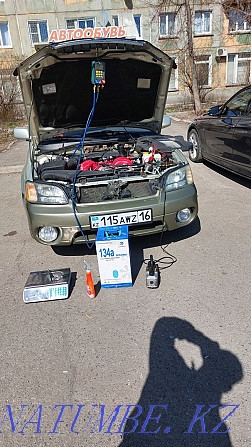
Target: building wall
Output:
[(18, 12), (219, 88)]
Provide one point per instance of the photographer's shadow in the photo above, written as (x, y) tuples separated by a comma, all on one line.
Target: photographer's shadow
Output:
[(181, 388)]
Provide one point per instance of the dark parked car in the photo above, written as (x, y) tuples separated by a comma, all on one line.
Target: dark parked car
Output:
[(223, 135)]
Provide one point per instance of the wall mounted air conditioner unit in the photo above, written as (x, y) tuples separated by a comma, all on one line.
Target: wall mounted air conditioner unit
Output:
[(221, 52)]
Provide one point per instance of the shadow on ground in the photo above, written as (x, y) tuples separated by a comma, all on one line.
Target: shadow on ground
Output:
[(230, 175), (155, 240), (137, 245), (178, 389)]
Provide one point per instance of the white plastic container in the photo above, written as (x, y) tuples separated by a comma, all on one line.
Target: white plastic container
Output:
[(147, 155)]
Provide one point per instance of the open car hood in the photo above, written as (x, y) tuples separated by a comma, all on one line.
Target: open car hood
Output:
[(58, 92)]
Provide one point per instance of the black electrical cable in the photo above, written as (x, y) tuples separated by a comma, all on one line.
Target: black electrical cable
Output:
[(163, 261), (131, 136)]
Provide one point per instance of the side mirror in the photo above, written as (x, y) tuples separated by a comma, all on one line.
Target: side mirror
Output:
[(21, 133), (166, 121), (214, 111)]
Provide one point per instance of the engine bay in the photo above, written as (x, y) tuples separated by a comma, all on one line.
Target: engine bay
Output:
[(108, 170)]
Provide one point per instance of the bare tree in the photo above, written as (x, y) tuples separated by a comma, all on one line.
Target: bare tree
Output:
[(192, 71), (189, 70), (191, 58), (186, 80), (10, 95)]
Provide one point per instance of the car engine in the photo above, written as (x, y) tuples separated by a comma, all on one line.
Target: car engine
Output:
[(127, 169)]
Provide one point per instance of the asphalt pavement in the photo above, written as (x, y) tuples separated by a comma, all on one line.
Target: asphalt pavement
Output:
[(182, 345)]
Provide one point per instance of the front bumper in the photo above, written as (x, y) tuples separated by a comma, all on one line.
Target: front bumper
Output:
[(164, 208)]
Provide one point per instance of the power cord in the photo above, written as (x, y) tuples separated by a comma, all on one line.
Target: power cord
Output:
[(172, 258), (165, 261)]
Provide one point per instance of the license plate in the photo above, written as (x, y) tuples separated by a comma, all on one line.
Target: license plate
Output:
[(130, 218)]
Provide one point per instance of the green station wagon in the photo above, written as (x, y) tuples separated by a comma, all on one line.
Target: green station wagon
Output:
[(96, 154)]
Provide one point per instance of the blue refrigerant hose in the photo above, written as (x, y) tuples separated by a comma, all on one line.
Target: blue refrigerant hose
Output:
[(81, 145)]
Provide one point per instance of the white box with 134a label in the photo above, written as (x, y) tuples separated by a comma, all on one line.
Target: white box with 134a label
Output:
[(113, 254)]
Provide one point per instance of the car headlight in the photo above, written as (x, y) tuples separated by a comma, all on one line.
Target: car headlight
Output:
[(45, 193), (179, 178)]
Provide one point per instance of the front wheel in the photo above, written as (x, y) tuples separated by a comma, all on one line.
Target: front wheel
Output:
[(195, 154)]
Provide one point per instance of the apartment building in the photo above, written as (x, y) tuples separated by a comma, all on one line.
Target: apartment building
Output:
[(221, 34)]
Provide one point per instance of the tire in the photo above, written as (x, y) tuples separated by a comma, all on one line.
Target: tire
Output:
[(195, 154)]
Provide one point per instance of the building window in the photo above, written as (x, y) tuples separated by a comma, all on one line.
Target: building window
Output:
[(137, 22), (204, 70), (115, 20), (173, 84), (239, 21), (80, 23), (239, 68), (167, 25), (4, 35), (202, 23), (38, 31)]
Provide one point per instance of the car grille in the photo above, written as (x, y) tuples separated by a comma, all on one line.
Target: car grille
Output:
[(101, 193)]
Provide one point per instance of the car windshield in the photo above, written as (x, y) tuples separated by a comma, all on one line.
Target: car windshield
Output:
[(237, 106)]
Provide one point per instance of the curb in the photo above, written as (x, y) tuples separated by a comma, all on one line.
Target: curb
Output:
[(10, 144), (180, 120), (11, 169)]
